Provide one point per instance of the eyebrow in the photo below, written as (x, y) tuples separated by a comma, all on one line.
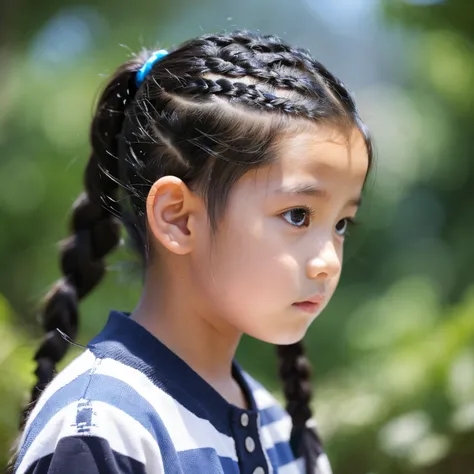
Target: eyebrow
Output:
[(311, 190)]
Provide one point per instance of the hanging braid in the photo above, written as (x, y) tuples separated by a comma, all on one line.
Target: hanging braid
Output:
[(183, 121), (95, 232), (295, 372)]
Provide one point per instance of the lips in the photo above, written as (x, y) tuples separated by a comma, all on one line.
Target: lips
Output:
[(317, 299), (307, 307), (311, 305)]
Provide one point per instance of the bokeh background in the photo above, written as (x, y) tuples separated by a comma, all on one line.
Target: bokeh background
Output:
[(393, 354)]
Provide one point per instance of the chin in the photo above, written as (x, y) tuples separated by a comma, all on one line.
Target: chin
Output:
[(287, 339), (282, 329), (283, 336)]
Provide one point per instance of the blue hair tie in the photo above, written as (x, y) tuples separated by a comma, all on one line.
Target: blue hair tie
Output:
[(145, 69)]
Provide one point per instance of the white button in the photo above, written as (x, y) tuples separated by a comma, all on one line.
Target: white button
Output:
[(249, 444), (244, 419), (259, 470)]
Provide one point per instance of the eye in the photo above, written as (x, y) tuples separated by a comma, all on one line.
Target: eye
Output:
[(343, 225), (298, 217)]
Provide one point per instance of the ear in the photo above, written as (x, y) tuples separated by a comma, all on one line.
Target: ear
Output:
[(171, 208)]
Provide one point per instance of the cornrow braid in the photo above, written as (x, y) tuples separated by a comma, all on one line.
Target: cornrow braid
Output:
[(258, 43), (279, 54), (248, 93), (241, 67)]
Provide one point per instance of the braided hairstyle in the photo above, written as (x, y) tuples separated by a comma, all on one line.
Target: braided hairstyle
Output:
[(207, 113)]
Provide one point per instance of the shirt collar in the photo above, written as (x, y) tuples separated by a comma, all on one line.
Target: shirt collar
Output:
[(126, 341)]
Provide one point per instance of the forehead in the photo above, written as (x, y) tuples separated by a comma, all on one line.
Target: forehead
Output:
[(322, 153), (327, 158)]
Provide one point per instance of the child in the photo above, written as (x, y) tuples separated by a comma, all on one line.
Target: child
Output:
[(236, 164)]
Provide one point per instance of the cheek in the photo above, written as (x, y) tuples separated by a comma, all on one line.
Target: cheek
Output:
[(252, 268)]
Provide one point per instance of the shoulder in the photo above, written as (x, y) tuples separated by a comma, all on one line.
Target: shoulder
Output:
[(88, 409), (105, 399), (92, 388)]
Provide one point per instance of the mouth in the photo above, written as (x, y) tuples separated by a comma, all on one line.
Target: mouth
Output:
[(307, 306), (311, 305)]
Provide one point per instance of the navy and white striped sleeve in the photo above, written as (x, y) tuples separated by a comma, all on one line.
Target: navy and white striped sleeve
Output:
[(88, 437)]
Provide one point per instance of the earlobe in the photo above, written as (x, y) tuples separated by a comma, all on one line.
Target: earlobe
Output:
[(169, 206)]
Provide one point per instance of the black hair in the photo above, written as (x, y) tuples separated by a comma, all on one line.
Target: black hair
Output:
[(207, 113)]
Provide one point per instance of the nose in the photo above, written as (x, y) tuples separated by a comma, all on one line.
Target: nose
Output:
[(327, 264)]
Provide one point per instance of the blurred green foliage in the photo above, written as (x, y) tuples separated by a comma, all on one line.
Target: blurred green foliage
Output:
[(394, 352)]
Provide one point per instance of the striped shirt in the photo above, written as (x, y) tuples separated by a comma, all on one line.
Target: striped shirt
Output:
[(128, 404)]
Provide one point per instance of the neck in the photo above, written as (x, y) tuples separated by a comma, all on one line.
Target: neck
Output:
[(182, 321)]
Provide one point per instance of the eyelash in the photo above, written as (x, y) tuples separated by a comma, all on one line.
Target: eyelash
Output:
[(351, 222)]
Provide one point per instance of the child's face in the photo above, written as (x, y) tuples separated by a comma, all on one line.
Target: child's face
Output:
[(264, 258)]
